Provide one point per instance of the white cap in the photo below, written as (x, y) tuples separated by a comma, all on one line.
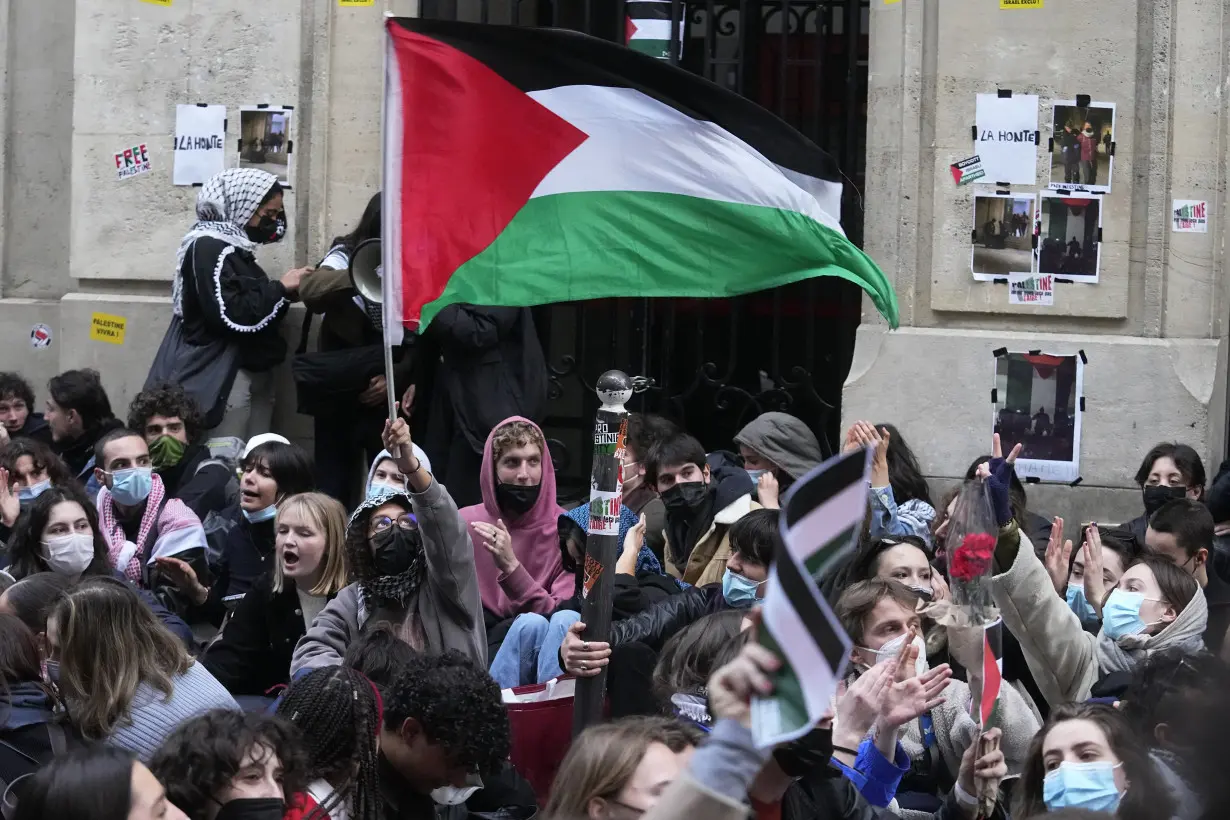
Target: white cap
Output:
[(263, 438)]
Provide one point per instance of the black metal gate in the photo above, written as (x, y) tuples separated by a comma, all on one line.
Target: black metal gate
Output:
[(718, 363)]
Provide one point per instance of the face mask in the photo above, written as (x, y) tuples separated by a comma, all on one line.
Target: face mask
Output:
[(926, 593), (1088, 786), (890, 650), (69, 554), (53, 672), (755, 475), (738, 591), (377, 490), (131, 487), (260, 515), (1079, 604), (253, 808), (1121, 614), (1088, 133), (1156, 497), (269, 230), (27, 494), (394, 549), (683, 498), (166, 451), (517, 499), (453, 796)]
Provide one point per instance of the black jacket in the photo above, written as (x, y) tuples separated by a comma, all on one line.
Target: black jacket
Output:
[(78, 454), (252, 653), (656, 625), (488, 364), (728, 481), (35, 428), (830, 796), (240, 553), (30, 734), (203, 487), (227, 295)]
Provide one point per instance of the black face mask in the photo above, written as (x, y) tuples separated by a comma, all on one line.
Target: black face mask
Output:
[(1156, 497), (808, 755), (253, 808), (394, 549), (517, 499), (269, 230), (685, 498)]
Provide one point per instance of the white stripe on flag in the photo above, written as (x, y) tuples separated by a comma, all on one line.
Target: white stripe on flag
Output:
[(390, 248), (647, 29), (823, 524)]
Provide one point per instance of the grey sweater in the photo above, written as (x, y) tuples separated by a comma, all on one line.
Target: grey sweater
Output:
[(447, 607), (151, 717)]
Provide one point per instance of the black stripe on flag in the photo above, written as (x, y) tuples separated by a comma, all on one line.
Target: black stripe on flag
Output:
[(813, 491), (536, 59), (805, 600), (649, 10)]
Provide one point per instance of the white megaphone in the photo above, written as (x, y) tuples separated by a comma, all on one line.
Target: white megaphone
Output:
[(365, 276)]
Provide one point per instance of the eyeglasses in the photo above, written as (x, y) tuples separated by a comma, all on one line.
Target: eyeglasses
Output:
[(406, 521)]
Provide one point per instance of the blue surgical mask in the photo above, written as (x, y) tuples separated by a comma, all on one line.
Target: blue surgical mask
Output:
[(131, 487), (1121, 614), (1089, 786), (377, 490), (1079, 604), (738, 591), (755, 475), (260, 515), (28, 494)]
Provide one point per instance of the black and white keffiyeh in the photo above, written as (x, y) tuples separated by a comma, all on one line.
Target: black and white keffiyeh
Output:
[(223, 207)]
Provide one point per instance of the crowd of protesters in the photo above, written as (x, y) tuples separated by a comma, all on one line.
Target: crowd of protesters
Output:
[(201, 619)]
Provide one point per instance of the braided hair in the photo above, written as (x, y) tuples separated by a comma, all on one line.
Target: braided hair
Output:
[(339, 712)]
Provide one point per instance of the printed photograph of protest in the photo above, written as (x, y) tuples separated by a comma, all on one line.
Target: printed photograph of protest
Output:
[(1080, 146), (1002, 235), (265, 135), (1068, 243), (1037, 405)]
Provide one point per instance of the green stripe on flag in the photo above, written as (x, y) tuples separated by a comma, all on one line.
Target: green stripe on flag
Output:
[(816, 561), (602, 244), (658, 49)]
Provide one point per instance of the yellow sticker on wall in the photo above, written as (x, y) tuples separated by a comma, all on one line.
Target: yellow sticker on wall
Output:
[(891, 2), (107, 328), (157, 2), (347, 3), (1020, 4)]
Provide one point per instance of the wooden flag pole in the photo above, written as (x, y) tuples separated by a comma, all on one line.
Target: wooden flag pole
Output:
[(602, 545)]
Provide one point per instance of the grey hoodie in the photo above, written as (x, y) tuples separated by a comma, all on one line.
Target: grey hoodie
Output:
[(383, 454), (784, 440)]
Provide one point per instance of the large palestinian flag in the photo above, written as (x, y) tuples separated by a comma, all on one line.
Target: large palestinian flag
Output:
[(527, 166)]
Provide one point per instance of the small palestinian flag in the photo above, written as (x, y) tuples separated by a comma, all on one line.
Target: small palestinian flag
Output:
[(528, 166), (649, 27), (992, 671), (821, 517)]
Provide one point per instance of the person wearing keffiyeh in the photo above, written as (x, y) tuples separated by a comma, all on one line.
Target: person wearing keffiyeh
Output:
[(220, 292)]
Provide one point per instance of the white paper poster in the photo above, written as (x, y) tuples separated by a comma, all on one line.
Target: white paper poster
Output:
[(1038, 402), (200, 143), (1007, 137), (1031, 289), (265, 140), (1190, 216)]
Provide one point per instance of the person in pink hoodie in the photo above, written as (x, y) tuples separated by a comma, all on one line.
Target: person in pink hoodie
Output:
[(516, 528)]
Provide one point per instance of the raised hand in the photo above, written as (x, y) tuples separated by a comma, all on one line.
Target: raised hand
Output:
[(731, 687), (1058, 557), (912, 698), (1095, 589), (858, 706), (499, 544), (768, 491), (10, 504)]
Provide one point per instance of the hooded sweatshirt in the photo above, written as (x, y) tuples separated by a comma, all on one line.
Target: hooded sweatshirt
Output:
[(784, 440), (383, 454), (540, 583)]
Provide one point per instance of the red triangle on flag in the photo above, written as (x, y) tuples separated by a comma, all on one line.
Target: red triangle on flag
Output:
[(992, 679), (630, 29), (474, 147), (956, 174)]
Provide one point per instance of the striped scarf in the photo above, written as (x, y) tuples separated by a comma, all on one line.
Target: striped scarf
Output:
[(115, 532)]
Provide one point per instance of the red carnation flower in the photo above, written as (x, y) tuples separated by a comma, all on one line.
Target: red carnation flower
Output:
[(972, 558)]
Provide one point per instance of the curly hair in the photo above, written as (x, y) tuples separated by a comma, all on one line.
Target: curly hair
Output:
[(378, 653), (13, 386), (201, 757), (337, 711), (25, 545), (166, 400), (514, 434), (458, 706), (45, 461)]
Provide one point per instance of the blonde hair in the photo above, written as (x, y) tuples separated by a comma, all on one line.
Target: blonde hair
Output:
[(110, 642), (516, 434), (329, 518), (603, 759)]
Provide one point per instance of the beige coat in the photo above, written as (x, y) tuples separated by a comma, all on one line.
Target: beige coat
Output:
[(707, 563), (685, 798)]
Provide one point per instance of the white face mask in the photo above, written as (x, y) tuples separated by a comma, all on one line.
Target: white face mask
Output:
[(889, 651), (69, 554), (453, 796)]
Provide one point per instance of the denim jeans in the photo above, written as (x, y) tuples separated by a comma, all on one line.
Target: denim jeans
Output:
[(530, 652)]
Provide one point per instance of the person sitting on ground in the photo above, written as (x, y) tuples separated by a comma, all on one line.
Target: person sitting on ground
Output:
[(1182, 532), (1169, 471), (385, 474), (635, 642), (94, 784), (60, 533), (413, 565), (32, 599), (444, 727), (777, 450), (223, 764), (242, 548), (127, 680), (1088, 757), (78, 415), (27, 468), (252, 655), (17, 416), (690, 657), (620, 769), (900, 499), (32, 728), (703, 500), (170, 421), (881, 615), (338, 713), (140, 521)]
